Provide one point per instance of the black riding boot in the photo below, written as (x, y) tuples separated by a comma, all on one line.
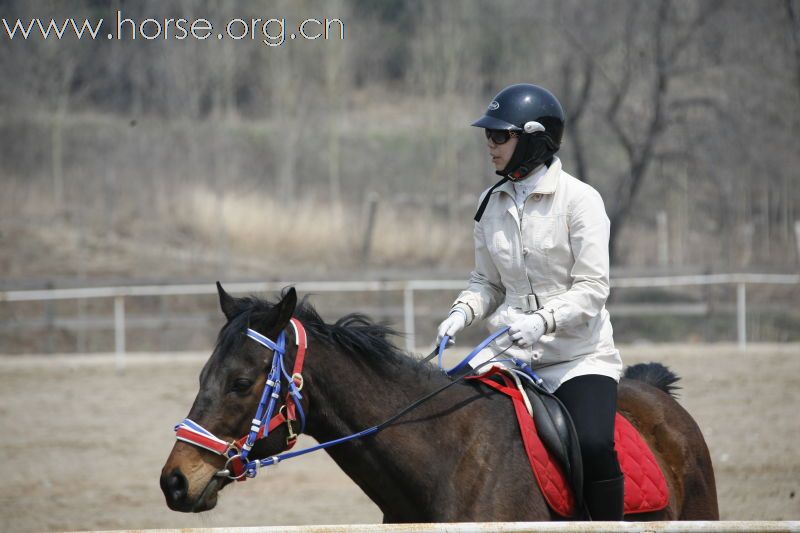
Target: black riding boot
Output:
[(604, 499)]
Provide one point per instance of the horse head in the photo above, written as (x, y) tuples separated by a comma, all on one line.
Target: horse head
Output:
[(231, 385)]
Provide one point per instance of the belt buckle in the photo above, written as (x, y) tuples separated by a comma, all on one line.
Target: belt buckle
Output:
[(530, 303)]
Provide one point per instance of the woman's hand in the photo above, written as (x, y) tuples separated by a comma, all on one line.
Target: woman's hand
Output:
[(451, 325), (525, 332)]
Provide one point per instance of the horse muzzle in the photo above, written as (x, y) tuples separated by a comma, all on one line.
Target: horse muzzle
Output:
[(190, 483)]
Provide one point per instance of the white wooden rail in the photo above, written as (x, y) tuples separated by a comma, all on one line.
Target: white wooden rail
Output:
[(408, 288), (522, 527)]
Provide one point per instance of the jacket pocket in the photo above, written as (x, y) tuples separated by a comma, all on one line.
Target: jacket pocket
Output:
[(501, 247), (538, 242), (539, 232)]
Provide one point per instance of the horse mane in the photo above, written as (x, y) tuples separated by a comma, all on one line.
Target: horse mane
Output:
[(354, 333)]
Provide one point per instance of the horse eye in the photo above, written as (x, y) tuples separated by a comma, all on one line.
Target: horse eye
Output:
[(241, 385)]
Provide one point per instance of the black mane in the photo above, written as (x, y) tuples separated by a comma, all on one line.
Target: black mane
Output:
[(354, 333)]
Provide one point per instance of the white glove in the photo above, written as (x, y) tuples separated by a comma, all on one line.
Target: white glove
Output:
[(525, 332), (451, 325)]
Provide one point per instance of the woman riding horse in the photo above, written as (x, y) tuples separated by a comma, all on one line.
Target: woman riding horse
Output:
[(450, 451), (542, 268)]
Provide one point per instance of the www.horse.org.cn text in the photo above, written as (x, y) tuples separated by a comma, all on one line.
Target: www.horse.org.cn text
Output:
[(269, 31)]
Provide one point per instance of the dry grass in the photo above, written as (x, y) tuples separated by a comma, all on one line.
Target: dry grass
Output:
[(260, 226), (200, 230)]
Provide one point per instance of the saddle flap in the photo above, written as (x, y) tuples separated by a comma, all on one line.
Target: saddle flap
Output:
[(557, 432)]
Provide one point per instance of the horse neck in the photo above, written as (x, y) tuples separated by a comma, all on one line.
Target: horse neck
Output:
[(402, 464)]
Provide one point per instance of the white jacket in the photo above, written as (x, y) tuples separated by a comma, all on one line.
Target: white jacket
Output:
[(559, 252)]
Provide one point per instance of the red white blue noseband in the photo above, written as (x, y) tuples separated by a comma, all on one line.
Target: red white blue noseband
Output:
[(237, 467)]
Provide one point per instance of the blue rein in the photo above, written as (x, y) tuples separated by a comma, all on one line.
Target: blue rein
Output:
[(471, 355), (519, 363)]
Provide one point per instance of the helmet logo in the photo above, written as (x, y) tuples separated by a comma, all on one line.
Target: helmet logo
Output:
[(493, 105)]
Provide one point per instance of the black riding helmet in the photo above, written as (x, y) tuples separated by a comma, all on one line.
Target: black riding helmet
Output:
[(535, 114), (537, 117)]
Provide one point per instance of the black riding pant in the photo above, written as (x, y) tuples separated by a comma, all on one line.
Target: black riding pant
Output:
[(592, 402)]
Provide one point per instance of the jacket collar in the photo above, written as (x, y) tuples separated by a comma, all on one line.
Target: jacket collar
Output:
[(547, 185)]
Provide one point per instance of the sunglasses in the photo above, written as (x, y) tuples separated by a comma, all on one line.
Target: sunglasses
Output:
[(499, 136)]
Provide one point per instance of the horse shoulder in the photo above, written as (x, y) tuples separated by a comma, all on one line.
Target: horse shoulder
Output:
[(491, 477)]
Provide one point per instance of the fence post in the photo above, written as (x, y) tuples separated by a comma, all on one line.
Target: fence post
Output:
[(741, 315), (50, 322), (662, 225), (369, 215), (119, 332), (408, 316)]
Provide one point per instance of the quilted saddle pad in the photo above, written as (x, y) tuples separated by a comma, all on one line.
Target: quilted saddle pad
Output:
[(645, 486)]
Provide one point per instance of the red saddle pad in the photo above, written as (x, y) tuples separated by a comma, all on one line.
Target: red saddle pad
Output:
[(645, 485)]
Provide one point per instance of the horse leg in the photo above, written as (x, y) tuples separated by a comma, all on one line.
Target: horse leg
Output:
[(700, 490)]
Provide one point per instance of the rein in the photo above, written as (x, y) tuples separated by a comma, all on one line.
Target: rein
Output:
[(439, 350), (238, 468)]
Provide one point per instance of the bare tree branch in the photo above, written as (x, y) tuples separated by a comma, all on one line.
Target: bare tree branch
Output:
[(630, 185), (794, 17), (576, 106), (622, 88), (707, 9)]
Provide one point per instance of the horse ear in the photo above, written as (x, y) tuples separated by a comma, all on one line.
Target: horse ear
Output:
[(285, 309), (226, 302)]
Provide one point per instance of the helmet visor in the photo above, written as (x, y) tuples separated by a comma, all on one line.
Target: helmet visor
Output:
[(492, 123)]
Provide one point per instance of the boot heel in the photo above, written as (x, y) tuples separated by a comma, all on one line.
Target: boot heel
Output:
[(605, 500)]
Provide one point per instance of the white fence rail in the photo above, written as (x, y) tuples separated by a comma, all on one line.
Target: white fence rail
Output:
[(408, 288), (524, 527)]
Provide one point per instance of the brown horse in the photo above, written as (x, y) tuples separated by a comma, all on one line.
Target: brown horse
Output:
[(457, 457)]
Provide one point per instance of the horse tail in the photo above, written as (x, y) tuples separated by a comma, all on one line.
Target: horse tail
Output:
[(655, 374)]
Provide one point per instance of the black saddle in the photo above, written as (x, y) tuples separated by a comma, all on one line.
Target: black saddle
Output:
[(555, 428)]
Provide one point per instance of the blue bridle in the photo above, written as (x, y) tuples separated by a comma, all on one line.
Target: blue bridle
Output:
[(193, 433), (273, 389)]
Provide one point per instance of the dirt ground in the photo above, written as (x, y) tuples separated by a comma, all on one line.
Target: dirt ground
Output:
[(81, 447)]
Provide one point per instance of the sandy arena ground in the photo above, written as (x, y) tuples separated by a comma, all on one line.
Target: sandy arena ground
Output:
[(81, 447)]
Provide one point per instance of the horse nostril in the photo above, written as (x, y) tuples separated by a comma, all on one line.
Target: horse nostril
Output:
[(175, 486)]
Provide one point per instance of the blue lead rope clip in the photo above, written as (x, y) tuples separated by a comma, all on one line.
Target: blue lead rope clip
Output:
[(525, 367)]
